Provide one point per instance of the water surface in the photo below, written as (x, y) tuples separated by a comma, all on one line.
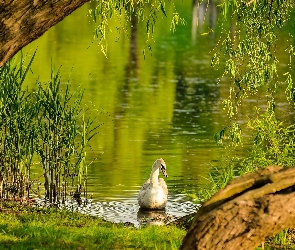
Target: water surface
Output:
[(166, 105)]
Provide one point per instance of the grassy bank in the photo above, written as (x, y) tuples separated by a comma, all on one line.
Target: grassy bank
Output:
[(23, 227)]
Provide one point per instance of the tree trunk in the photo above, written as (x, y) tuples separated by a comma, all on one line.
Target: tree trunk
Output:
[(23, 21), (245, 212)]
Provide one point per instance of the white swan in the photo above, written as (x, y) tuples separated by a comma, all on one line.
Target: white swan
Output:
[(154, 192)]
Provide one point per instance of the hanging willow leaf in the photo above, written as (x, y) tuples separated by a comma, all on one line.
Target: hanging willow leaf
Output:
[(163, 9)]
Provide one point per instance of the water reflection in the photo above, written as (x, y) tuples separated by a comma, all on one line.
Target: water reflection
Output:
[(203, 13), (160, 106), (132, 66), (152, 217), (167, 105)]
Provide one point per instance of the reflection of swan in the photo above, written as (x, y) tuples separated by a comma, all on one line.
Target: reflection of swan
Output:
[(152, 217), (154, 192)]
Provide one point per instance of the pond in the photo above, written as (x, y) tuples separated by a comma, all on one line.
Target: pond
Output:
[(167, 104)]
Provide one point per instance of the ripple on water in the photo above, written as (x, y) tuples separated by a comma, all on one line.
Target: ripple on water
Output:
[(123, 212)]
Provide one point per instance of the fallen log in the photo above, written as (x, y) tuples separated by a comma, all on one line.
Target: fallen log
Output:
[(249, 209)]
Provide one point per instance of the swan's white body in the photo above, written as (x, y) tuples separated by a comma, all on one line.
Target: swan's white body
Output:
[(154, 192)]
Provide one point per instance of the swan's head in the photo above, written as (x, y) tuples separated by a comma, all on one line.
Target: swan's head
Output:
[(162, 165)]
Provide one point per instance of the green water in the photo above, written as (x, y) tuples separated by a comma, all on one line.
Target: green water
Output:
[(166, 105)]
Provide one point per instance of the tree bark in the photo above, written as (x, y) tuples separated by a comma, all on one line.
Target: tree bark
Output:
[(23, 21), (245, 212)]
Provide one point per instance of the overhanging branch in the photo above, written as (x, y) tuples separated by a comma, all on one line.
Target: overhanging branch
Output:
[(22, 22)]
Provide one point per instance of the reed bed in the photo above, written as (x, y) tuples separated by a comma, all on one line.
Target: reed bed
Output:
[(49, 123)]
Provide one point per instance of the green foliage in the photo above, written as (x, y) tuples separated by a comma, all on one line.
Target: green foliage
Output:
[(281, 238), (233, 131), (249, 49), (125, 13), (218, 178), (227, 6), (48, 123), (273, 142)]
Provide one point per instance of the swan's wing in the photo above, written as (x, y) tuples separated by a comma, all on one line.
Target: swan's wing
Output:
[(163, 184), (146, 185), (143, 192)]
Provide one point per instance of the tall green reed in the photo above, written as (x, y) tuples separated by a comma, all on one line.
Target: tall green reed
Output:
[(63, 134), (17, 131), (47, 122)]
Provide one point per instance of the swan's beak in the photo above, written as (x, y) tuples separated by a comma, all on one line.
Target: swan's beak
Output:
[(163, 169)]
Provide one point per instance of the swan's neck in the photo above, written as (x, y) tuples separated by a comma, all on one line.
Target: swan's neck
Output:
[(154, 176)]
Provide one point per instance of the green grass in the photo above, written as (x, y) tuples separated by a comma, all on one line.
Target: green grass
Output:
[(28, 228)]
